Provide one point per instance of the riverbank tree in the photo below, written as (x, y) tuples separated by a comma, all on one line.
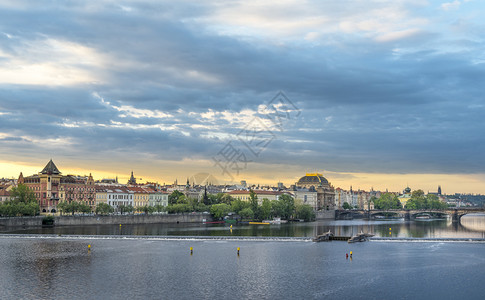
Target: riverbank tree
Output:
[(22, 203), (104, 209), (73, 207), (420, 201), (387, 201)]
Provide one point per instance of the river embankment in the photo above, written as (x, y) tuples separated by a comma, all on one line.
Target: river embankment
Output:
[(106, 220)]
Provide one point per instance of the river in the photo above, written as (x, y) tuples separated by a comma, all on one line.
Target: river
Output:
[(138, 262)]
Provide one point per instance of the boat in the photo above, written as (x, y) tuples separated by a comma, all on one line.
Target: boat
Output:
[(275, 221), (259, 223), (215, 222), (423, 217)]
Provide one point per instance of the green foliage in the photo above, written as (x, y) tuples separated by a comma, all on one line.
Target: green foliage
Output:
[(277, 208), (220, 210), (146, 209), (346, 205), (264, 211), (179, 208), (13, 209), (174, 196), (420, 201), (48, 220), (22, 203), (305, 212), (182, 200), (237, 205), (225, 198), (73, 207), (253, 200), (23, 194), (387, 201), (288, 206), (247, 213), (201, 207), (160, 208), (104, 209)]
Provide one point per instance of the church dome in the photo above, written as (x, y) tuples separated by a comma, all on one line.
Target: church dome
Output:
[(313, 179)]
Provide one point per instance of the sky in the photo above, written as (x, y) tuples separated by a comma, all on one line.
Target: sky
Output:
[(374, 94)]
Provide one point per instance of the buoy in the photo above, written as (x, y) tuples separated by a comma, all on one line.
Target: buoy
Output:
[(346, 256), (89, 246), (120, 225), (191, 250), (231, 226), (351, 254), (389, 228), (238, 250)]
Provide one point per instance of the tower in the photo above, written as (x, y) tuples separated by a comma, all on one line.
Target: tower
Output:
[(439, 189), (132, 179), (21, 179)]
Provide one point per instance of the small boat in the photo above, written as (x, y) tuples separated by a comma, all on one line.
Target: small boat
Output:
[(259, 223), (215, 222), (423, 217)]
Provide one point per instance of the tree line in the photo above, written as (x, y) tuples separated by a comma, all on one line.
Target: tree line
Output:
[(285, 207), (24, 203), (418, 200)]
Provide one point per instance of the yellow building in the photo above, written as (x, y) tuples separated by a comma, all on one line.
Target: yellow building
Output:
[(101, 195), (141, 196)]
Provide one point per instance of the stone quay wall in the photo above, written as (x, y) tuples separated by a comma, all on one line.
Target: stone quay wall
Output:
[(325, 215), (107, 220)]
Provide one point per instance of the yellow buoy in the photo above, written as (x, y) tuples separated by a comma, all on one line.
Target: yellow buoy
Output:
[(89, 246), (191, 250), (120, 225), (238, 250)]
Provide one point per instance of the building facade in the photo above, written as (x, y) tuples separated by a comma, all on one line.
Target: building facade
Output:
[(325, 191)]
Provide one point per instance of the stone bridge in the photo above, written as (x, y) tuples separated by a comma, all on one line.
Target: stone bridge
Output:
[(407, 214)]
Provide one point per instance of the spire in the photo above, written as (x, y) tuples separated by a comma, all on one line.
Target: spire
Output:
[(439, 189), (50, 169), (21, 179), (132, 179)]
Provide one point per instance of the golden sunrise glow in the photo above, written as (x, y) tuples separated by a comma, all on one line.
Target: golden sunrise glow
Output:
[(181, 170)]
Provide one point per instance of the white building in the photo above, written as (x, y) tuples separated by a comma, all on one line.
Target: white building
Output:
[(306, 196), (117, 196)]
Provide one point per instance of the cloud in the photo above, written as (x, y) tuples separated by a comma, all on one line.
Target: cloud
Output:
[(398, 35), (451, 5), (383, 86), (50, 62)]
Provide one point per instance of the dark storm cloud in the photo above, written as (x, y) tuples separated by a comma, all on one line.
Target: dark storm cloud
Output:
[(369, 103)]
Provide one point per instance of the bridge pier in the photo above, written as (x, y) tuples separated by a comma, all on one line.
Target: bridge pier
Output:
[(455, 217), (407, 216)]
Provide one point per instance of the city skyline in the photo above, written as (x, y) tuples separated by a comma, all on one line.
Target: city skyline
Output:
[(197, 178), (380, 94)]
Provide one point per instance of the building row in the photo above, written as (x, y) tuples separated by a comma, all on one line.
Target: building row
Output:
[(50, 188)]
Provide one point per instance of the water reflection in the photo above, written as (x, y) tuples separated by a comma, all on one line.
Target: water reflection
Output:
[(41, 264), (474, 222), (471, 226)]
